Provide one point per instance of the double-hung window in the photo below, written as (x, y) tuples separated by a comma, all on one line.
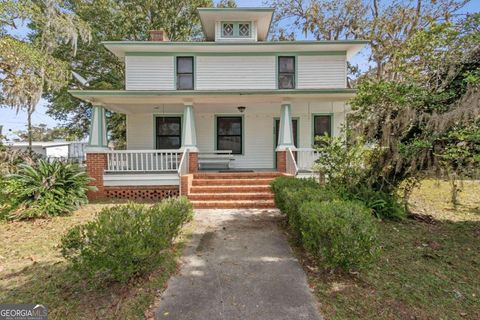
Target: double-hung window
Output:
[(229, 134), (184, 73), (168, 132), (322, 125), (286, 72)]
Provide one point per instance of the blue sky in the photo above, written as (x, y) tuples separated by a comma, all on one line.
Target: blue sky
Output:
[(12, 121)]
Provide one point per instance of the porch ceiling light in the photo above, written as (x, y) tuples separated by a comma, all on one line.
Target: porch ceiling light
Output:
[(241, 109)]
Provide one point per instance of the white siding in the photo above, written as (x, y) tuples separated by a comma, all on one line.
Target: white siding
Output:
[(140, 131), (135, 179), (149, 73), (235, 72), (321, 72), (257, 139)]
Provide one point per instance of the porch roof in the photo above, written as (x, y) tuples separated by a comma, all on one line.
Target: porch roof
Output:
[(123, 100)]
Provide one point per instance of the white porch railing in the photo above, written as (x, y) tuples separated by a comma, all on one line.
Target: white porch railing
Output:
[(183, 166), (291, 163), (143, 160), (306, 158)]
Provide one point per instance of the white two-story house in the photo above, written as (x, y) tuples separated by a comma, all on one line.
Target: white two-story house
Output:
[(234, 106)]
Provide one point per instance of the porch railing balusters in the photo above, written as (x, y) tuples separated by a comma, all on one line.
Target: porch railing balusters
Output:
[(306, 158), (143, 160)]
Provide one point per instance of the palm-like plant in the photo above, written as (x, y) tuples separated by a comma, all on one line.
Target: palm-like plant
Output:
[(47, 189)]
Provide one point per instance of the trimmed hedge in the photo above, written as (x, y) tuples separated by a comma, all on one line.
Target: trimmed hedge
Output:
[(126, 240), (283, 184), (341, 234), (294, 199)]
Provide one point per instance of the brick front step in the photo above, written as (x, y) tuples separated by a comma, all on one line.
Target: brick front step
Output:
[(237, 175), (228, 182), (233, 204), (229, 189), (230, 196)]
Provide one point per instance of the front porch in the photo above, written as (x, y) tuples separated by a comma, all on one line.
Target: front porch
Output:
[(171, 145)]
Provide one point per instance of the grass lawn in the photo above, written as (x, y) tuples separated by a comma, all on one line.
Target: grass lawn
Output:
[(428, 269), (33, 271)]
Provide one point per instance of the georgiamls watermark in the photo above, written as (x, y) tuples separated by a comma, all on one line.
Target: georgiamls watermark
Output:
[(23, 312)]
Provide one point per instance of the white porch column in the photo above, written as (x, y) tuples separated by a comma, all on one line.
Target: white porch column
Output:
[(98, 130), (189, 134), (285, 133)]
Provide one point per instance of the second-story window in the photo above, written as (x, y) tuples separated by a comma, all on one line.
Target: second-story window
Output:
[(184, 73), (286, 72)]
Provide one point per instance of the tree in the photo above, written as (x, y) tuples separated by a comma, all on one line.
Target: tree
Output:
[(387, 25), (426, 118), (28, 66), (116, 20), (226, 4), (42, 133)]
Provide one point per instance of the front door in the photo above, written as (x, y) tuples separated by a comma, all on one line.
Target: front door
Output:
[(295, 136)]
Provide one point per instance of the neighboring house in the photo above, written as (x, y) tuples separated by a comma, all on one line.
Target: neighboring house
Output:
[(64, 150), (233, 101)]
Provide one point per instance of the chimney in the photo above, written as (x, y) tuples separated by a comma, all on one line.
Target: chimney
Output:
[(158, 35)]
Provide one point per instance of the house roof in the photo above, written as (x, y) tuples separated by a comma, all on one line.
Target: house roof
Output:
[(262, 16), (43, 144), (122, 48)]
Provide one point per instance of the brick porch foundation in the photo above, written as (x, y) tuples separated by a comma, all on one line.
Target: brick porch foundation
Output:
[(192, 162), (139, 193), (282, 161), (96, 164)]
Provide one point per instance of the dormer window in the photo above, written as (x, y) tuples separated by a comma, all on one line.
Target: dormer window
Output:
[(236, 29), (227, 30), (244, 30)]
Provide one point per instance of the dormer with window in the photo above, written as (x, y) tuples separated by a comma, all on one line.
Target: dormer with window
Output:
[(236, 24)]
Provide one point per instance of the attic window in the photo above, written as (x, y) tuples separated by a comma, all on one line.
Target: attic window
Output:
[(227, 30), (244, 29)]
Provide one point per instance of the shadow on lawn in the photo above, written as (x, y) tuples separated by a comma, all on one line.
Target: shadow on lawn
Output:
[(69, 296), (427, 270)]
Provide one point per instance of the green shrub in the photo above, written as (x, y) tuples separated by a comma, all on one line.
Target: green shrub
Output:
[(383, 204), (125, 240), (46, 189), (283, 184), (341, 234), (295, 198)]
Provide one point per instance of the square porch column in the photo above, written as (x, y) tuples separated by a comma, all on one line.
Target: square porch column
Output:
[(96, 156), (189, 136), (285, 136)]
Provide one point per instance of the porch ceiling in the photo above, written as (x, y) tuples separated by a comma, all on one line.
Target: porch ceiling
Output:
[(123, 100)]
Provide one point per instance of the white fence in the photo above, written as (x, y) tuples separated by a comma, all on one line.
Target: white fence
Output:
[(143, 160)]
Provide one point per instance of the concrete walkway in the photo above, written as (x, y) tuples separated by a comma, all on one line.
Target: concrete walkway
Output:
[(238, 265)]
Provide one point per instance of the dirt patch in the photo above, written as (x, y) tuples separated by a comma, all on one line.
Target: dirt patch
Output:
[(206, 242)]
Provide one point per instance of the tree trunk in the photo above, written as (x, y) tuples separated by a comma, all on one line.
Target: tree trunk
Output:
[(29, 129)]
